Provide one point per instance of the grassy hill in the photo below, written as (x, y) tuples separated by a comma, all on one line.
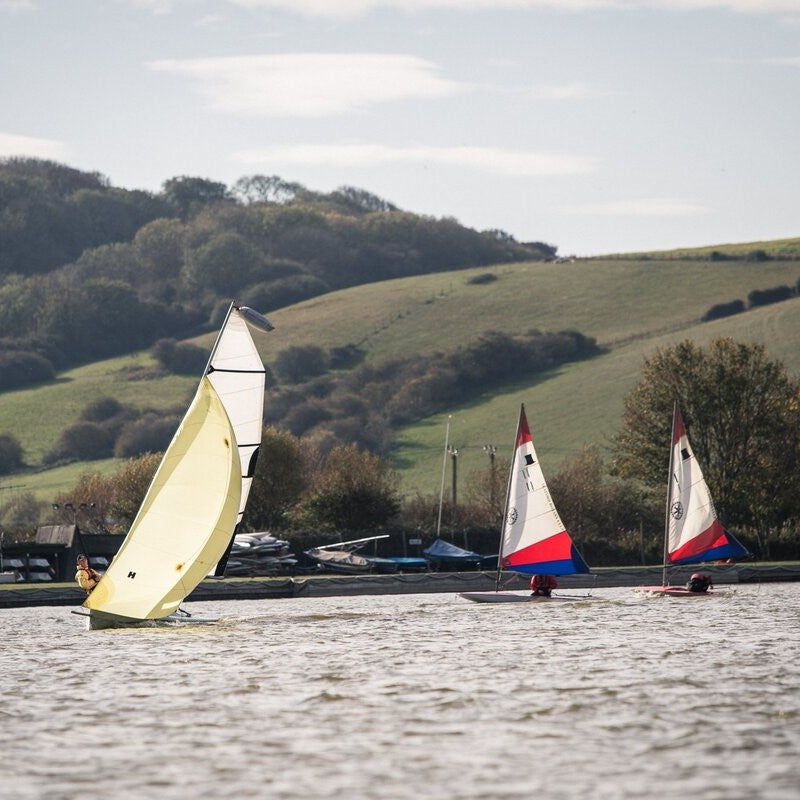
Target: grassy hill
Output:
[(630, 305)]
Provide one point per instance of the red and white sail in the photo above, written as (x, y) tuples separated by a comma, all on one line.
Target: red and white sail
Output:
[(534, 539), (694, 533)]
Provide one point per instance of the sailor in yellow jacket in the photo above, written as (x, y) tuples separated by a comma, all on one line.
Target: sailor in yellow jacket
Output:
[(86, 577)]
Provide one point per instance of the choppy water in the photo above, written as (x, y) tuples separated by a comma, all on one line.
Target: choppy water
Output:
[(413, 696)]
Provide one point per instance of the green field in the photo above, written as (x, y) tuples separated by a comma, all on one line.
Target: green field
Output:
[(630, 306)]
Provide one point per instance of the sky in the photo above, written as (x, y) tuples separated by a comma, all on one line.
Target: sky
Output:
[(596, 126)]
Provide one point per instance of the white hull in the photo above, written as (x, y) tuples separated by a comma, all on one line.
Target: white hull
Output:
[(511, 597)]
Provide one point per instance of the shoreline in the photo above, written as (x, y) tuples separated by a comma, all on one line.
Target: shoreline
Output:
[(330, 585)]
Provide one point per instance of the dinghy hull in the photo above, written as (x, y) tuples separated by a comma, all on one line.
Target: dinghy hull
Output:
[(510, 597)]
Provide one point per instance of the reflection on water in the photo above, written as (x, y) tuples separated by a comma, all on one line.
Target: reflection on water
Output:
[(411, 696)]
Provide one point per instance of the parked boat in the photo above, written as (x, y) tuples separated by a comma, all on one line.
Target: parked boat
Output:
[(343, 556), (533, 540), (444, 556), (187, 520), (692, 531)]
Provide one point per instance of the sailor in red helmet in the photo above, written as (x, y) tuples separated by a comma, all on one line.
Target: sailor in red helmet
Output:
[(543, 585), (699, 583)]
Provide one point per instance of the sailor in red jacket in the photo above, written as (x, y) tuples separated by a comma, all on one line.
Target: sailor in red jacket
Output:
[(543, 585)]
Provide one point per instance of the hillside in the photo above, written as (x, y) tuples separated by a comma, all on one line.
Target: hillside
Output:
[(631, 306)]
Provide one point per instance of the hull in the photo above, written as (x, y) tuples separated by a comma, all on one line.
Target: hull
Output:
[(676, 591), (511, 597), (99, 620)]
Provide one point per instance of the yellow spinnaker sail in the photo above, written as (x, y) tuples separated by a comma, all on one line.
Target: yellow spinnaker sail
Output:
[(185, 520)]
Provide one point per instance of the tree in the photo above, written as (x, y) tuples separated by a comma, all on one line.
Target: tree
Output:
[(279, 481), (130, 485), (300, 362), (190, 195), (224, 264), (742, 414), (10, 454), (353, 491)]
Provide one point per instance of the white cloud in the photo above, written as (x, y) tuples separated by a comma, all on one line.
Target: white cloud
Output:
[(309, 84), (571, 91), (518, 163), (17, 5), (350, 8), (13, 145), (789, 61), (646, 207)]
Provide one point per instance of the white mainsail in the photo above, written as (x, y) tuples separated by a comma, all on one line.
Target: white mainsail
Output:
[(237, 373), (185, 521), (534, 539)]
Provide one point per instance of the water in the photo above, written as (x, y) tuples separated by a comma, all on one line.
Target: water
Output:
[(412, 696)]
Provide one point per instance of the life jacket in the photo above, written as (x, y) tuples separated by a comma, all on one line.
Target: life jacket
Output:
[(543, 583), (698, 582)]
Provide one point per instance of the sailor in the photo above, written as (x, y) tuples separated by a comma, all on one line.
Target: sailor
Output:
[(698, 582), (543, 585), (86, 577)]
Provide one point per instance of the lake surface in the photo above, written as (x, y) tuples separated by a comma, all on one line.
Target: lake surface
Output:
[(411, 696)]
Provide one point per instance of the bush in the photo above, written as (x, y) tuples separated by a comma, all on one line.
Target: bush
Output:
[(180, 358), (721, 310), (285, 291), (10, 454), (149, 434), (101, 409), (763, 297), (299, 363), (22, 368), (484, 277), (84, 441)]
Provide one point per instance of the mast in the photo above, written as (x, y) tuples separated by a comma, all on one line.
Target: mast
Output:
[(508, 497), (444, 468), (669, 495)]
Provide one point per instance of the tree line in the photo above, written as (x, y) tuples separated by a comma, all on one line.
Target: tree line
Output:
[(89, 271), (742, 413)]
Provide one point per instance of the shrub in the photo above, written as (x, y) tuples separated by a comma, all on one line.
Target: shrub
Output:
[(10, 454), (101, 409), (149, 434), (298, 363), (484, 277), (181, 358), (83, 441), (763, 297), (23, 368), (721, 310)]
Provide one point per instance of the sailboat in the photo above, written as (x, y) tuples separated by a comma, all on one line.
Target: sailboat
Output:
[(533, 539), (186, 523), (692, 531)]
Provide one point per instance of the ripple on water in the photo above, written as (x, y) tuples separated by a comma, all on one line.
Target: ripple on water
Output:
[(412, 696)]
